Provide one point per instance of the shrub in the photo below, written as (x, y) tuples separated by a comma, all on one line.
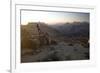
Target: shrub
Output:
[(53, 42), (70, 44)]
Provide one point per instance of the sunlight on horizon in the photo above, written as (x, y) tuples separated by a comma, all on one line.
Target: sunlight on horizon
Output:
[(52, 17)]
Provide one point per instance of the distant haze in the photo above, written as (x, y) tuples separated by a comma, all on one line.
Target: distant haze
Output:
[(51, 18)]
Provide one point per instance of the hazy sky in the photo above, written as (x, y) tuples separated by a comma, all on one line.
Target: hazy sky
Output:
[(52, 17)]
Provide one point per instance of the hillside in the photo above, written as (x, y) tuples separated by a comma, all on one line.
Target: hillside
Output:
[(32, 38), (42, 42), (74, 29)]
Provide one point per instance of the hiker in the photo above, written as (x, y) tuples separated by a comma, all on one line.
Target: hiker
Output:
[(38, 29)]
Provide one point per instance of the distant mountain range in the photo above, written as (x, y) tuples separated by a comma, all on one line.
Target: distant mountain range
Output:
[(74, 29)]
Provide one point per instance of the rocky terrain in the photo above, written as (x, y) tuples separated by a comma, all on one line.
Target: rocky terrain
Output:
[(41, 43)]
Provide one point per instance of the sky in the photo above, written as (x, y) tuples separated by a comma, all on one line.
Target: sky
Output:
[(51, 17)]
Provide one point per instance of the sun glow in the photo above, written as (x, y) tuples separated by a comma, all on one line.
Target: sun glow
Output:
[(52, 17)]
